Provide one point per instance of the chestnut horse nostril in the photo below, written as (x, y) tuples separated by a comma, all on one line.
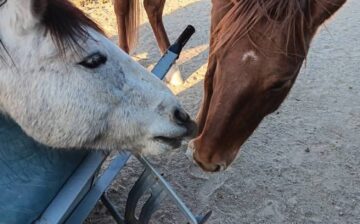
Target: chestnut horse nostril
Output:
[(181, 116), (210, 167)]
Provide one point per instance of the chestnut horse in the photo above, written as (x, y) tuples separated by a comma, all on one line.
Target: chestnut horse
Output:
[(257, 48)]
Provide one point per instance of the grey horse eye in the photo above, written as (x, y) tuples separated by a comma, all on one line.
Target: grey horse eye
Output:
[(93, 61)]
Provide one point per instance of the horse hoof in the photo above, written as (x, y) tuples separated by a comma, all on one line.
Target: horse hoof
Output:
[(174, 77)]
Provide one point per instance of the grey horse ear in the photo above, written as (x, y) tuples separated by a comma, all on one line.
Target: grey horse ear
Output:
[(39, 7), (2, 2), (321, 10)]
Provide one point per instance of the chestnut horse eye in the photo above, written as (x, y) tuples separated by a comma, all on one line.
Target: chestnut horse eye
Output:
[(277, 86), (94, 61)]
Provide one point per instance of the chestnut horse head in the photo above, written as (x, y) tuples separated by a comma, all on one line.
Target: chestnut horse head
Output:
[(257, 49)]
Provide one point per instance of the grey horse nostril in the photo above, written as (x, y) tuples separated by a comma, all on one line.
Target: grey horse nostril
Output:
[(181, 116)]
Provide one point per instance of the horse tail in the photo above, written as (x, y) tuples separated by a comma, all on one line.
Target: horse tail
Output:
[(132, 21)]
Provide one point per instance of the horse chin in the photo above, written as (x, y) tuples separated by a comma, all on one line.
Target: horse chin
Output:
[(212, 168), (160, 145), (172, 142), (171, 137)]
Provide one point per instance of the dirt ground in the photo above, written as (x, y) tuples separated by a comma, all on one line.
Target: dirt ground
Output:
[(301, 165)]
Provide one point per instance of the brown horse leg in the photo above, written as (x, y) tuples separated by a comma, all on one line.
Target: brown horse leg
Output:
[(121, 8), (154, 10)]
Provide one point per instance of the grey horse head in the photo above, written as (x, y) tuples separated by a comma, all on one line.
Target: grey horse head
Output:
[(68, 86)]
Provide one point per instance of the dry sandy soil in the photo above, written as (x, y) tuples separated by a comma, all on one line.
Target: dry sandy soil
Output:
[(301, 165)]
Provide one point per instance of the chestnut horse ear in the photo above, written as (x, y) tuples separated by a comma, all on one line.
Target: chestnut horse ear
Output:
[(321, 10), (39, 7)]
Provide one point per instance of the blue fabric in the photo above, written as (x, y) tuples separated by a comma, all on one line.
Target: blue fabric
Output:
[(30, 174)]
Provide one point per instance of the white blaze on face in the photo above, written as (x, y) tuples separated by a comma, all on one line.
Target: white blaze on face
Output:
[(250, 55)]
